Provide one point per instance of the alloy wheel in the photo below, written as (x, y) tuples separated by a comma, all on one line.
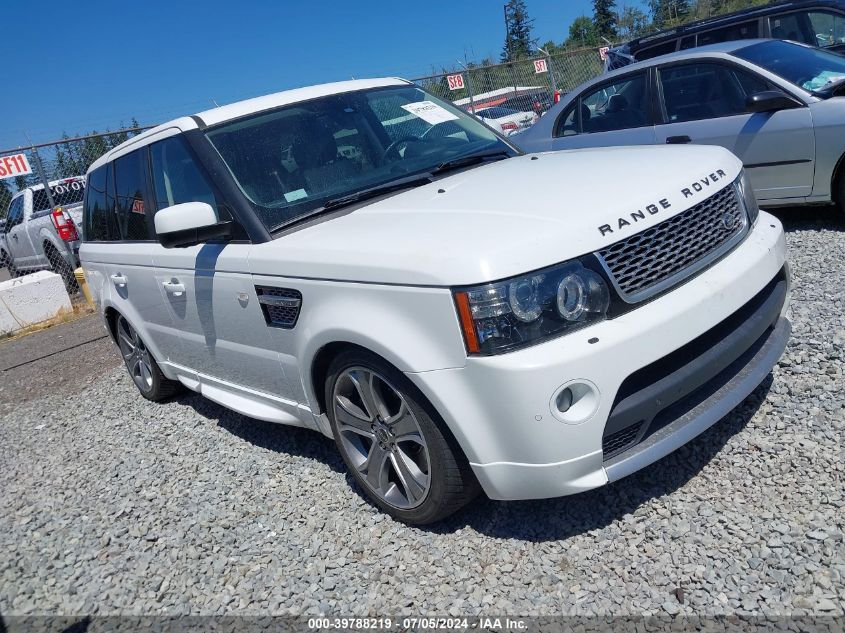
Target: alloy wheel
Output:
[(381, 437), (135, 354)]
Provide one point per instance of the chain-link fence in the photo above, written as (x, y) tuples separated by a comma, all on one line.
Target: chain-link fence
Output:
[(513, 95), (41, 192)]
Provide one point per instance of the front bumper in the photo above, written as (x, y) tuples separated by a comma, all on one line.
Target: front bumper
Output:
[(653, 365)]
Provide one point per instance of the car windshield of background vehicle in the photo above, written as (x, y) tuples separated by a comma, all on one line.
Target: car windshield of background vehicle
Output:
[(291, 161), (807, 68)]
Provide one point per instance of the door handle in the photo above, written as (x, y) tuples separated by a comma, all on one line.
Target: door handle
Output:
[(173, 288), (678, 140), (118, 280)]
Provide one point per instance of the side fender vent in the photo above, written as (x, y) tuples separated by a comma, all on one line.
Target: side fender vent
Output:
[(280, 305)]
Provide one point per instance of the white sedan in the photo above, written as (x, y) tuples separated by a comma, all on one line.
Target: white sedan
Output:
[(510, 121)]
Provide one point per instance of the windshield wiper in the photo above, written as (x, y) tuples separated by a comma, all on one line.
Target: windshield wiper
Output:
[(394, 185), (471, 159)]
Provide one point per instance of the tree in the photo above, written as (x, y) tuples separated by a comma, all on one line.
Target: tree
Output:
[(73, 158), (518, 41), (669, 13), (632, 22), (582, 32), (5, 198), (604, 19)]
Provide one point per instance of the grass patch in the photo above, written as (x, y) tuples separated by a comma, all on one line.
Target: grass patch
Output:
[(64, 315)]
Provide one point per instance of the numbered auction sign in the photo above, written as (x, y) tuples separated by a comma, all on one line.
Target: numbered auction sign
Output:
[(603, 52), (456, 82), (14, 165), (540, 66)]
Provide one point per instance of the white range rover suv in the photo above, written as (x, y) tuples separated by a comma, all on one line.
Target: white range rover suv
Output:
[(368, 261)]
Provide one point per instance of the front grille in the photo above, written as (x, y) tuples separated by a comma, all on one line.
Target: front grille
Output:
[(651, 261), (280, 305), (617, 442)]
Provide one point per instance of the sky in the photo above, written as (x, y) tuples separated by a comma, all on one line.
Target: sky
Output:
[(72, 67)]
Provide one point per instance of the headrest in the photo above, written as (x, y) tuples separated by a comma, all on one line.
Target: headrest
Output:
[(617, 103)]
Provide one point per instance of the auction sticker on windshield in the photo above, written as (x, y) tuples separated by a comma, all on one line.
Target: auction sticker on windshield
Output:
[(430, 112)]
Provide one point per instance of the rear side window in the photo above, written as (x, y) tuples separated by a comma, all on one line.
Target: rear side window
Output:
[(131, 208), (100, 224), (177, 177), (741, 31), (618, 106), (655, 51)]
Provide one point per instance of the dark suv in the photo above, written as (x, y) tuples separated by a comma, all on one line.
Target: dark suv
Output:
[(815, 22)]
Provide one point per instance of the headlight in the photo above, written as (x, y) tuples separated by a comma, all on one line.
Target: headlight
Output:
[(746, 192), (530, 308)]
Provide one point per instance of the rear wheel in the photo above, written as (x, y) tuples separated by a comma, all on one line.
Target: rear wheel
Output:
[(393, 442), (141, 365), (6, 260), (839, 192), (61, 268)]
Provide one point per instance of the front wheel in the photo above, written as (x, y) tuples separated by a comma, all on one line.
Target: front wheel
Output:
[(393, 442)]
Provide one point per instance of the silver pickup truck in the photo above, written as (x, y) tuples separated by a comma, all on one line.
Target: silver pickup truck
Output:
[(38, 236)]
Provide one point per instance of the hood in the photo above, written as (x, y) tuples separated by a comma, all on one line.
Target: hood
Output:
[(504, 218)]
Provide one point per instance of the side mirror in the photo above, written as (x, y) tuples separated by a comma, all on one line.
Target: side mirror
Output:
[(770, 101), (189, 224)]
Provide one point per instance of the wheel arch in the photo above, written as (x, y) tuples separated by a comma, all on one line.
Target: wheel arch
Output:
[(319, 373), (110, 315), (319, 370), (836, 182), (48, 240)]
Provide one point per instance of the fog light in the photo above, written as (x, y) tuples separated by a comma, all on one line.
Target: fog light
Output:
[(575, 402), (564, 400)]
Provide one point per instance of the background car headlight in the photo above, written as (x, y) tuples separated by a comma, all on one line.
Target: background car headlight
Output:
[(530, 308), (746, 192)]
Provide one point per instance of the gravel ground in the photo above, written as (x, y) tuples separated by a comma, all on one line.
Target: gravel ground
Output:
[(39, 363), (118, 505)]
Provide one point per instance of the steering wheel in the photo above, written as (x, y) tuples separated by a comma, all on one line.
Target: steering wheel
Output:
[(393, 147)]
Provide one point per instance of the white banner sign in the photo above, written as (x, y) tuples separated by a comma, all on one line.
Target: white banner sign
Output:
[(603, 52), (14, 165), (540, 66)]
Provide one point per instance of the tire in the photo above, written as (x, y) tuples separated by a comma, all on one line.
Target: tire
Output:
[(403, 456), (141, 365), (61, 268), (6, 260)]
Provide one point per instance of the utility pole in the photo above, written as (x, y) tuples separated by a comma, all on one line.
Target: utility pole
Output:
[(551, 71), (507, 34), (468, 84)]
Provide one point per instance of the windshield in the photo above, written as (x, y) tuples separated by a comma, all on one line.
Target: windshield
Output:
[(807, 68), (291, 161)]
